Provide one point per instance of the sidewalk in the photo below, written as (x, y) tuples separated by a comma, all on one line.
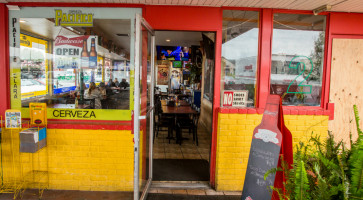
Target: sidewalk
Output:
[(155, 194)]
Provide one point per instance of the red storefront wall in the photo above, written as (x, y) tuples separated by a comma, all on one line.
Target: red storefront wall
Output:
[(207, 19)]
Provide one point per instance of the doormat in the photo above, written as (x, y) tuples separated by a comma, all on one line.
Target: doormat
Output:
[(155, 196), (180, 170)]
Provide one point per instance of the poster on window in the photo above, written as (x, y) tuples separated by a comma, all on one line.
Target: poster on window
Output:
[(12, 119), (235, 98), (163, 75), (74, 52)]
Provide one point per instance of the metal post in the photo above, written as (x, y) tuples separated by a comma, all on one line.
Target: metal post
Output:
[(137, 106), (151, 140)]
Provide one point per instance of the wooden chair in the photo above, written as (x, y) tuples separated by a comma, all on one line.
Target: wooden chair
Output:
[(161, 121), (190, 123)]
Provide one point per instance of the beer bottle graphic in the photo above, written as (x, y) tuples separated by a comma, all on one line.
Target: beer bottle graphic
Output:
[(93, 55), (84, 55)]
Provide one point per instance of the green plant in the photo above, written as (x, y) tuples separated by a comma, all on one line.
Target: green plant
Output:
[(301, 182), (195, 72), (324, 169), (356, 162)]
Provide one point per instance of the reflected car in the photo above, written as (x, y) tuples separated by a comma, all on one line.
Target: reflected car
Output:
[(30, 85)]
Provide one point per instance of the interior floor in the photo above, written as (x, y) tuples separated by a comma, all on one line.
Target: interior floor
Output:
[(187, 150)]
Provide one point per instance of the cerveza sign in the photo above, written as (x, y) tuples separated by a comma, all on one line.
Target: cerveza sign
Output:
[(73, 18), (76, 114)]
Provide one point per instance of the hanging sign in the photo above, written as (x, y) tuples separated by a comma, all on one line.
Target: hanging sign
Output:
[(73, 18), (237, 98), (74, 52)]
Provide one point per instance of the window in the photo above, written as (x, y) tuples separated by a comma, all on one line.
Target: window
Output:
[(79, 57), (239, 57), (73, 58), (298, 58)]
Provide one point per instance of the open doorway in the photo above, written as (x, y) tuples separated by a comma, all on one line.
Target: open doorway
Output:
[(184, 75)]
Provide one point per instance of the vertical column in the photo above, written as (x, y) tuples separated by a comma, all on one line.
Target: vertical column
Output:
[(263, 86), (217, 97), (4, 60)]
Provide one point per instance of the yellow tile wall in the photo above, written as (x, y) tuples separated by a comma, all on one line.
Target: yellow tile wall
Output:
[(234, 141), (98, 160)]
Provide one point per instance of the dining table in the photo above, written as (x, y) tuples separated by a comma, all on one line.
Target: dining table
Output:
[(181, 102), (176, 111)]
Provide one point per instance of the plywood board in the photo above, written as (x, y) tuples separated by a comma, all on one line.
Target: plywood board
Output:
[(346, 86)]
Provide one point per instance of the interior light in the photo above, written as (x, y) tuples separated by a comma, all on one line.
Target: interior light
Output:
[(168, 40), (22, 21)]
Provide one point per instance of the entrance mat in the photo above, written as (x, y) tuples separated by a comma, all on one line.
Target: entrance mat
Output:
[(180, 170), (155, 196)]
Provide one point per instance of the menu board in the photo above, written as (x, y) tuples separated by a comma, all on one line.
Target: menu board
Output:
[(264, 153)]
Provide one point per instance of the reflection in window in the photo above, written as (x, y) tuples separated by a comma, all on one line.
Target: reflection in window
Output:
[(297, 58), (75, 67), (239, 52)]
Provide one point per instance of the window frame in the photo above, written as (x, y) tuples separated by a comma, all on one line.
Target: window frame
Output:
[(258, 66), (323, 101), (264, 65), (128, 13)]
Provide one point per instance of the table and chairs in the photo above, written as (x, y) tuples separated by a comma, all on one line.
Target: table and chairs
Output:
[(176, 116)]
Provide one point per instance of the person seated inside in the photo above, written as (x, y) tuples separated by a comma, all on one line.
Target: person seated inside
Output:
[(110, 83), (76, 92), (102, 88), (124, 84), (116, 82), (94, 93)]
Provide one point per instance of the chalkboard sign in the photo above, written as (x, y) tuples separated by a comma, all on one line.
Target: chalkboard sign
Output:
[(264, 153)]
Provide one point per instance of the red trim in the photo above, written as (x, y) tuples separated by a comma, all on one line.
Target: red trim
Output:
[(4, 60), (288, 110), (325, 87), (199, 19), (90, 125), (264, 70), (194, 18), (59, 4), (241, 8), (216, 100)]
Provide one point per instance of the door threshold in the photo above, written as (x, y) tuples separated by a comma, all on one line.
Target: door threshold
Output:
[(180, 185)]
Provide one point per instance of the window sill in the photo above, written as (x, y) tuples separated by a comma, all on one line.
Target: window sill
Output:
[(288, 110), (89, 125)]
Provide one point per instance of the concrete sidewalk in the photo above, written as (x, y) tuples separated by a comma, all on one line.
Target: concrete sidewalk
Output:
[(154, 194)]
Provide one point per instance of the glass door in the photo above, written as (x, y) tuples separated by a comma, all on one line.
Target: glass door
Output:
[(143, 114)]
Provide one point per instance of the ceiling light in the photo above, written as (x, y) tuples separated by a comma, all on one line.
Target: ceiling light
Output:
[(322, 9), (23, 21), (168, 40)]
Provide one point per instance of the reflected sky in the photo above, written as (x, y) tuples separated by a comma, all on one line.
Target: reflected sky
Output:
[(291, 42)]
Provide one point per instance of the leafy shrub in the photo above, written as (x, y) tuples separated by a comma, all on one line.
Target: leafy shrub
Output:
[(324, 169)]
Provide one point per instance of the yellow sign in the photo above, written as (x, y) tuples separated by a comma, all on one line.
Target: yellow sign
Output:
[(73, 18), (38, 114), (89, 114)]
